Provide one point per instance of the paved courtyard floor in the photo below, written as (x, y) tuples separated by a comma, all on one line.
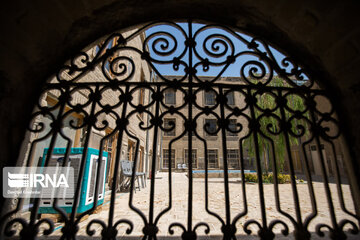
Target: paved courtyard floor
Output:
[(178, 212)]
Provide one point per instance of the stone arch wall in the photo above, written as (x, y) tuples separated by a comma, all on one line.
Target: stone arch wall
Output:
[(38, 36)]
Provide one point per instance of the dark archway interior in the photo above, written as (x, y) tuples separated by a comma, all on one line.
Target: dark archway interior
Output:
[(38, 36)]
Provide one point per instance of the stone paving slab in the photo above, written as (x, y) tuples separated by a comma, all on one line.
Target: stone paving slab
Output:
[(179, 209)]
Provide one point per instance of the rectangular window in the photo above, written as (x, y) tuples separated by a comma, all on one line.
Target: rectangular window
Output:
[(110, 147), (187, 94), (209, 97), (166, 157), (142, 96), (210, 126), (170, 96), (230, 98), (169, 123), (213, 161), (193, 157), (131, 150), (187, 133), (232, 126), (233, 158)]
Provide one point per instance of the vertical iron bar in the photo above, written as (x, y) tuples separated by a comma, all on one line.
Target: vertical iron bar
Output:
[(190, 194), (323, 171), (276, 182), (206, 177), (170, 173), (291, 165), (243, 187), (338, 182), (224, 145), (310, 186), (117, 162), (258, 163), (97, 185), (243, 175), (152, 77), (133, 173), (326, 184), (83, 160), (153, 162), (66, 159), (35, 209), (207, 184)]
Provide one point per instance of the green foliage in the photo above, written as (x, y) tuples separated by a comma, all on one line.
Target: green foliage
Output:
[(270, 125), (269, 178), (250, 177), (284, 178)]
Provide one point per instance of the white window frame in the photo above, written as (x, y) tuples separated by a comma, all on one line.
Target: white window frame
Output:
[(230, 134), (168, 91), (196, 152), (233, 98), (172, 156), (207, 134), (227, 156), (205, 98), (172, 133), (217, 154)]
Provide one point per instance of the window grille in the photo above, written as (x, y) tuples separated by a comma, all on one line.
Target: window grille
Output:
[(233, 158), (230, 98), (232, 127), (169, 123), (213, 158), (170, 96), (209, 98), (210, 127), (166, 157), (193, 156)]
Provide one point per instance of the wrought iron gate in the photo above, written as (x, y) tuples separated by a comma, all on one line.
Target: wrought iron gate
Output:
[(280, 102)]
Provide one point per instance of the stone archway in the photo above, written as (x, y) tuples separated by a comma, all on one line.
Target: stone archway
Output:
[(39, 37), (69, 83)]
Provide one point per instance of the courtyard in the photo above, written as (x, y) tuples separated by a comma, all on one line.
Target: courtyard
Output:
[(179, 210)]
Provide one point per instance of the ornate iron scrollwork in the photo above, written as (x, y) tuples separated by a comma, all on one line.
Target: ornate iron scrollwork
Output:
[(191, 50)]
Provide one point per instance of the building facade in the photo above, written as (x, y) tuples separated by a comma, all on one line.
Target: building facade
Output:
[(174, 138), (207, 130), (104, 135)]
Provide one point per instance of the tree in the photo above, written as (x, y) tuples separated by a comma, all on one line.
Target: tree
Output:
[(267, 101)]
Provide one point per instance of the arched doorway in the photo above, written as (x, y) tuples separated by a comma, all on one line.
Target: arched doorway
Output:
[(264, 108)]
